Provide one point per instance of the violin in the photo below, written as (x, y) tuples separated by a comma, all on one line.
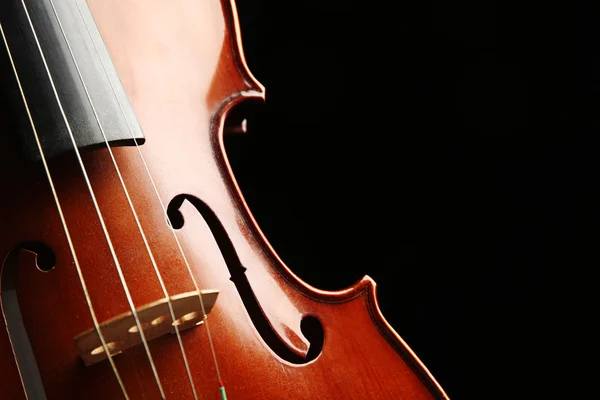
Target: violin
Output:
[(131, 265)]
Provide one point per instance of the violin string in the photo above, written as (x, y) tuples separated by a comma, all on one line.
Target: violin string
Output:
[(97, 207), (64, 222), (164, 209), (130, 202)]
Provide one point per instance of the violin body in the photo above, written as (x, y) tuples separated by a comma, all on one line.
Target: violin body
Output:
[(182, 66)]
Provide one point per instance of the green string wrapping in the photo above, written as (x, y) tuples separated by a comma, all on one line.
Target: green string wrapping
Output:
[(223, 394)]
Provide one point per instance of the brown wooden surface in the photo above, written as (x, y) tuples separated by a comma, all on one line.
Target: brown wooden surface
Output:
[(182, 66)]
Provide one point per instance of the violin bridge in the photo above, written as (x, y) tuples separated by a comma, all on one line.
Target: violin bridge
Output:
[(122, 332)]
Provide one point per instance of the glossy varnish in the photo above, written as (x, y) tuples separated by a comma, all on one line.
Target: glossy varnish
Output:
[(182, 66)]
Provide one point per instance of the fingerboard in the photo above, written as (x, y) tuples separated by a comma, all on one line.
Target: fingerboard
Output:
[(72, 90)]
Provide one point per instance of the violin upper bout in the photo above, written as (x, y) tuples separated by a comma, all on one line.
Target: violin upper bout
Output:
[(233, 80)]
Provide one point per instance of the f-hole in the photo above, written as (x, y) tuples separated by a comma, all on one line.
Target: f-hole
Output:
[(310, 326), (28, 368)]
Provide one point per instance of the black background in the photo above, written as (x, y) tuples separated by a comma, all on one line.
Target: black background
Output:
[(448, 150)]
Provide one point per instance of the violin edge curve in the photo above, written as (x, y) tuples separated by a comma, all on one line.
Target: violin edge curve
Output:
[(257, 89)]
